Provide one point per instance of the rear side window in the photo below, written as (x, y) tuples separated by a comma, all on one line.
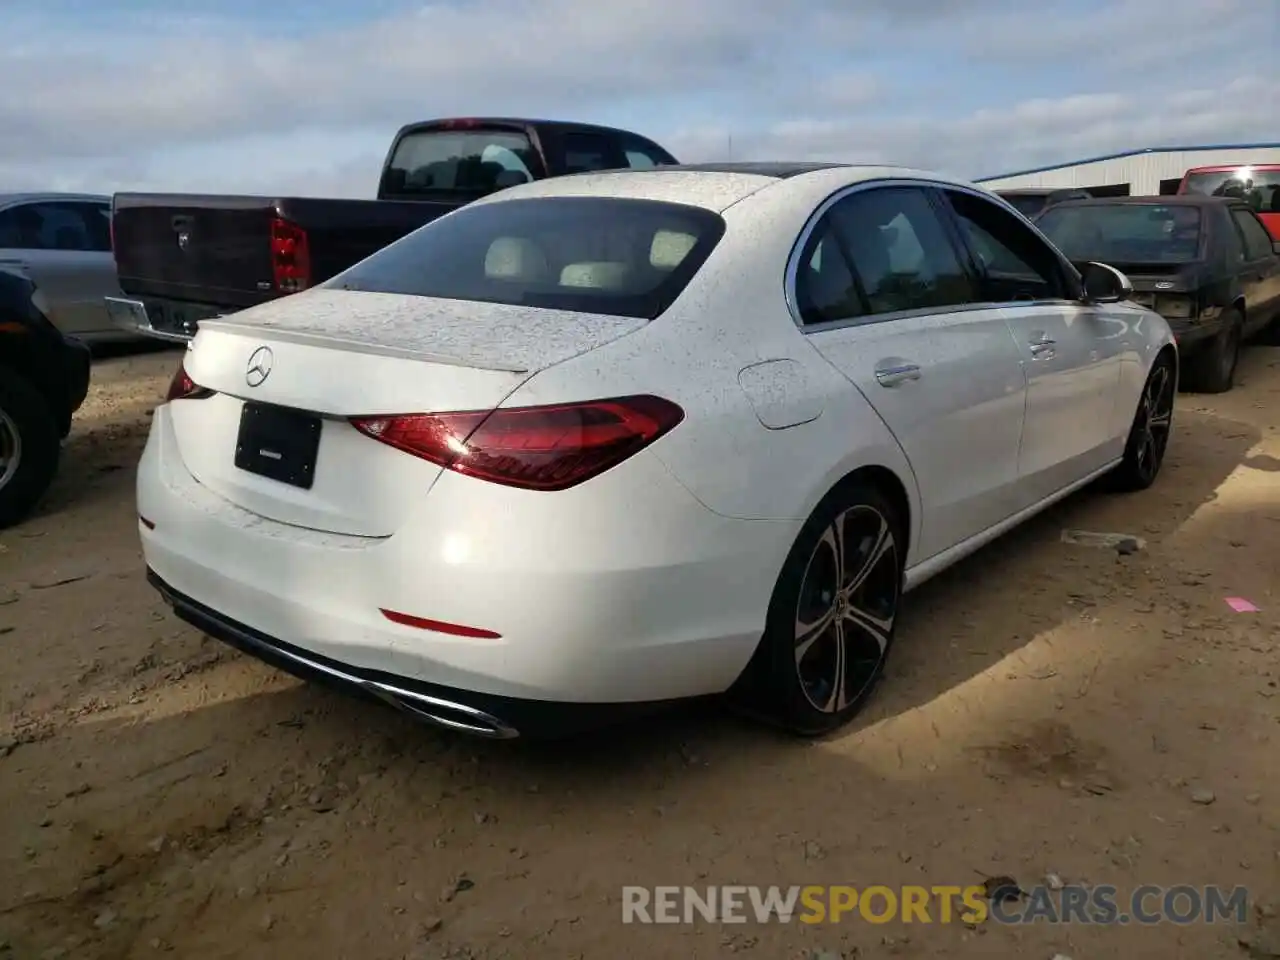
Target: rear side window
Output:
[(622, 257), (1257, 242), (900, 252), (470, 163)]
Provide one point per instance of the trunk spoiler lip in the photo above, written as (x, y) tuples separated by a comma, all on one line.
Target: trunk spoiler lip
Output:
[(312, 339)]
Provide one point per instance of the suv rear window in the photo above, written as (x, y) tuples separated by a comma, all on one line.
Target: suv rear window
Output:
[(471, 162), (615, 256)]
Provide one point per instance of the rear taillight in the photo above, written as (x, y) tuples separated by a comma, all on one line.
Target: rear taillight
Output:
[(290, 256), (182, 387), (534, 448)]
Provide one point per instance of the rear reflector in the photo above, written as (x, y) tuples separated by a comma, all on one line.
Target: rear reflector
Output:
[(182, 387), (290, 256), (533, 448), (439, 626)]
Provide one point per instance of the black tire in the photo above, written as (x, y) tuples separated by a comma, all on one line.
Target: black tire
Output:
[(1151, 428), (790, 687), (1213, 368), (25, 417)]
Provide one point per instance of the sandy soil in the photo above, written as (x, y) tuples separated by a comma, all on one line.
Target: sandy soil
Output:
[(1051, 709)]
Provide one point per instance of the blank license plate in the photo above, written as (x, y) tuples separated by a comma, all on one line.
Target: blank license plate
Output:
[(278, 443)]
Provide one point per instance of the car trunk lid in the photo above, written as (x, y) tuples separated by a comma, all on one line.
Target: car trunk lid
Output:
[(304, 365)]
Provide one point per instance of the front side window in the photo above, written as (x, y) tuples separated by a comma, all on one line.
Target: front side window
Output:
[(1016, 264), (463, 163), (622, 257), (52, 225)]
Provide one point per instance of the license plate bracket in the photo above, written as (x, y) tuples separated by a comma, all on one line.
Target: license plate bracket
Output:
[(278, 443)]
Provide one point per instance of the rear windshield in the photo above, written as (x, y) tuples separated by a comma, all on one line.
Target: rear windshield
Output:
[(1258, 188), (465, 163), (1130, 233), (622, 257)]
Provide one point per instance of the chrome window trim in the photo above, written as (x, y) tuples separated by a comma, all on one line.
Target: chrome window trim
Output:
[(811, 223)]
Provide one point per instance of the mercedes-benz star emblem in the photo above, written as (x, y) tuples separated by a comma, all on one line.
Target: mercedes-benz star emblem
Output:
[(259, 366)]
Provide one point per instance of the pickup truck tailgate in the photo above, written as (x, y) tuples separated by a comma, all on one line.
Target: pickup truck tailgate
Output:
[(188, 247)]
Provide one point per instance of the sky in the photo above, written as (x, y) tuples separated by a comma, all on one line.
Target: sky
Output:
[(302, 97)]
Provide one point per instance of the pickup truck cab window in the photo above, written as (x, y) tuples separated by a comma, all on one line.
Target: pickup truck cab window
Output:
[(469, 162), (584, 152), (643, 155)]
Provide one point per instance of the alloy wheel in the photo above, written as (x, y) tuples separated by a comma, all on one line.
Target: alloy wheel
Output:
[(1155, 418), (10, 449), (847, 607)]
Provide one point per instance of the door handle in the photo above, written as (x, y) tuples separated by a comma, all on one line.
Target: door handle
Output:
[(892, 374), (1042, 345)]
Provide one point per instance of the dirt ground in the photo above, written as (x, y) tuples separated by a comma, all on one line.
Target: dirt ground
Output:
[(1051, 709)]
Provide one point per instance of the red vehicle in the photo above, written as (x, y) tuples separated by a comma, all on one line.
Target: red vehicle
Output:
[(1257, 184)]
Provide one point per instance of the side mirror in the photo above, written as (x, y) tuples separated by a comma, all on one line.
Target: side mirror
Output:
[(1105, 284)]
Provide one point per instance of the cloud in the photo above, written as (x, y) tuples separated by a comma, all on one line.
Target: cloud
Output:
[(306, 100)]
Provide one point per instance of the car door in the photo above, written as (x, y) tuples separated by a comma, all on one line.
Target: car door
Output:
[(1073, 353), (884, 297), (1260, 273), (67, 252)]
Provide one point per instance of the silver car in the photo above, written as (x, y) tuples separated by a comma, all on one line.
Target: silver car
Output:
[(63, 242)]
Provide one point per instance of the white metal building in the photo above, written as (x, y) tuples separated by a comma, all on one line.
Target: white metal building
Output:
[(1149, 172)]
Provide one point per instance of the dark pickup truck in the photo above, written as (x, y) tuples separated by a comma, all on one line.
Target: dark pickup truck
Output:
[(182, 258)]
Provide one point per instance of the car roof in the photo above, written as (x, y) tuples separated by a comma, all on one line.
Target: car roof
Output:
[(716, 186), (32, 197), (1178, 200)]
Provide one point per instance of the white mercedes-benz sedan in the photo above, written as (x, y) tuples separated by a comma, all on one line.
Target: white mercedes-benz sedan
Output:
[(609, 440)]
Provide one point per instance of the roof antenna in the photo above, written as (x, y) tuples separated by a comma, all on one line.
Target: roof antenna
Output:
[(730, 156)]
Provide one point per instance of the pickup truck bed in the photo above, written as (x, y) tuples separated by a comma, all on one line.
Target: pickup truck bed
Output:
[(189, 257), (183, 258)]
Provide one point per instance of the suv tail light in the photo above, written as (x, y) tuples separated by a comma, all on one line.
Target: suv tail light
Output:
[(533, 448), (290, 256), (182, 387)]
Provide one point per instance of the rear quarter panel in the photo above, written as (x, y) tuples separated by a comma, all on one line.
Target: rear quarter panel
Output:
[(733, 316)]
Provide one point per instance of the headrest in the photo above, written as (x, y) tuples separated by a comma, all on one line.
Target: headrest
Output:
[(600, 275), (669, 249), (514, 258)]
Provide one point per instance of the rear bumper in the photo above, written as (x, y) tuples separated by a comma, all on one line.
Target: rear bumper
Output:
[(475, 714), (167, 320), (598, 609), (1192, 334)]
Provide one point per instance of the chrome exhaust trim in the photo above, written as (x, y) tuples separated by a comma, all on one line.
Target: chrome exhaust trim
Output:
[(436, 711)]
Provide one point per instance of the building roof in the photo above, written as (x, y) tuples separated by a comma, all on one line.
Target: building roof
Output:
[(1131, 153)]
